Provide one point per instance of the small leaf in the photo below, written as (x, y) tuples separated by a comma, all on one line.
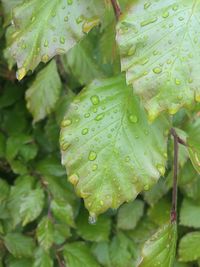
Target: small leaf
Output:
[(99, 231), (189, 247), (19, 245), (31, 206), (45, 233), (110, 150), (129, 214), (4, 190), (159, 52), (63, 212), (160, 248), (190, 213), (44, 29), (42, 258), (44, 92), (77, 254)]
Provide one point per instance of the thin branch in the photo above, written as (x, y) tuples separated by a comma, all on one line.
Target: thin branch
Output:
[(175, 178), (60, 262), (116, 8)]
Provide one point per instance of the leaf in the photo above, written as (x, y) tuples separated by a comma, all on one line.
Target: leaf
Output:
[(45, 29), (193, 142), (101, 251), (110, 151), (160, 212), (8, 6), (63, 212), (4, 190), (2, 145), (160, 248), (32, 204), (129, 214), (42, 258), (77, 254), (45, 233), (20, 263), (190, 213), (19, 245), (44, 92), (189, 247), (61, 233), (50, 166), (158, 43), (97, 232), (120, 251)]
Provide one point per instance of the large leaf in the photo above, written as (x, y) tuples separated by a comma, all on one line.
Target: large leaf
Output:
[(77, 254), (110, 151), (43, 29), (159, 46), (160, 249), (42, 258), (189, 247), (44, 92)]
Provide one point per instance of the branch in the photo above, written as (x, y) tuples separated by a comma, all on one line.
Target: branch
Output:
[(116, 8), (175, 178)]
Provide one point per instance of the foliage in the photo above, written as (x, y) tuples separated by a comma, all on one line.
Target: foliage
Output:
[(94, 94)]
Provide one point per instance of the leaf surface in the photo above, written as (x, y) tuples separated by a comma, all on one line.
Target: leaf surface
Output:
[(110, 151), (159, 46), (190, 213), (43, 29)]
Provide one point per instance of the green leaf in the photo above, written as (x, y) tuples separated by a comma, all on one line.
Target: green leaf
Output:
[(45, 29), (2, 145), (8, 6), (129, 214), (193, 132), (32, 204), (190, 213), (61, 233), (160, 212), (44, 92), (63, 212), (77, 254), (4, 190), (120, 251), (10, 95), (160, 248), (45, 233), (110, 151), (20, 263), (101, 251), (19, 245), (159, 52), (189, 247), (42, 258), (50, 166), (99, 231)]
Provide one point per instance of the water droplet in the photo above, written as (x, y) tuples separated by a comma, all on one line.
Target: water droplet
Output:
[(73, 179), (132, 51), (177, 82), (175, 8), (181, 18), (23, 46), (149, 21), (92, 155), (45, 58), (92, 218), (161, 169), (89, 24), (66, 18), (66, 123), (127, 159), (94, 167), (147, 5), (101, 202), (157, 70), (62, 40), (99, 117), (165, 14), (33, 19), (84, 131), (69, 2), (65, 146), (133, 118), (87, 115), (146, 187), (95, 100), (79, 19), (21, 73), (46, 43)]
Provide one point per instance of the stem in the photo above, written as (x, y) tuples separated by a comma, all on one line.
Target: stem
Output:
[(175, 178), (116, 8)]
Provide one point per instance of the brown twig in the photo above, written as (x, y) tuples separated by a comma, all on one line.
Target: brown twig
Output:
[(175, 178), (116, 8)]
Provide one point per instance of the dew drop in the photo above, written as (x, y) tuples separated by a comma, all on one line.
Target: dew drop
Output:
[(94, 99), (66, 18), (62, 40), (23, 46), (84, 131), (131, 51), (66, 123), (46, 43), (69, 2), (175, 8), (45, 58), (79, 19), (99, 117), (177, 82), (87, 115), (92, 218), (101, 202), (92, 156), (147, 5), (21, 73), (94, 167), (149, 21), (146, 187), (165, 15), (133, 118), (65, 146), (161, 169), (157, 70), (73, 179)]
